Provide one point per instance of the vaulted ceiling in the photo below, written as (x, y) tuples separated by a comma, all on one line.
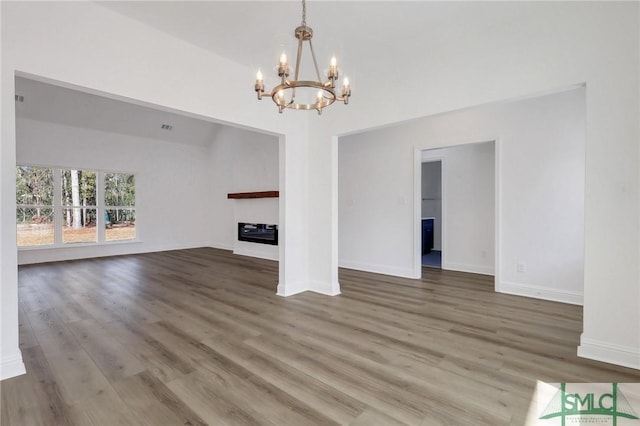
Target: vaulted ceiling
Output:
[(371, 39), (254, 32), (386, 39)]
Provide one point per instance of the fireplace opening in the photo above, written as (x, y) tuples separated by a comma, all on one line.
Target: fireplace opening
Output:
[(260, 233)]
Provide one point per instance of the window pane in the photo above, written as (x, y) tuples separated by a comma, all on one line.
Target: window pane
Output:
[(79, 225), (78, 188), (120, 224), (34, 185), (34, 226), (119, 189)]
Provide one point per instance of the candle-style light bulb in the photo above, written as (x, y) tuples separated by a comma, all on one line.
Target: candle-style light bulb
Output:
[(333, 71), (346, 90), (319, 95), (259, 86), (283, 68)]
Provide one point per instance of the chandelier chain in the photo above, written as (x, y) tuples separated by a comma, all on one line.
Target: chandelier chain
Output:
[(304, 13)]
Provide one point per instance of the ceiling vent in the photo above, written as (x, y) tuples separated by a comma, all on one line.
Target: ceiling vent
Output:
[(19, 98), (167, 127)]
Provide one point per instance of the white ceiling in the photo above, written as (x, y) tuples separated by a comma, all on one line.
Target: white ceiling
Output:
[(253, 33), (382, 39), (379, 37), (55, 104)]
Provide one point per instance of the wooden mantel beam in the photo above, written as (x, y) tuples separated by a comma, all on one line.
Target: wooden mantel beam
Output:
[(260, 194)]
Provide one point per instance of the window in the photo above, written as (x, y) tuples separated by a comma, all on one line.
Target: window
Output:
[(78, 206), (57, 207), (120, 202), (34, 201)]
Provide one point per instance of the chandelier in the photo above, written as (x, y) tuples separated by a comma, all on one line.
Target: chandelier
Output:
[(284, 94)]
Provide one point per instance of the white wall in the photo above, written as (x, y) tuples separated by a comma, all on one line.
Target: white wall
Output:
[(494, 51), (468, 181), (83, 45), (432, 198), (169, 177), (243, 161), (541, 193), (489, 52), (236, 160)]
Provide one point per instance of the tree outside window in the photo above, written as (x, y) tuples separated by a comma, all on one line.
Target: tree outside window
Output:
[(120, 202), (61, 206), (79, 206), (34, 202)]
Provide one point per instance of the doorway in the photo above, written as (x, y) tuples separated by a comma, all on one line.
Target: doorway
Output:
[(431, 213), (456, 190)]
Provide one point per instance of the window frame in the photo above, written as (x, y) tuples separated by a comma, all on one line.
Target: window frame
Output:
[(64, 207), (107, 207), (59, 208)]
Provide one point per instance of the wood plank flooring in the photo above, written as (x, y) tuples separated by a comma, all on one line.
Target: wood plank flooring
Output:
[(198, 337)]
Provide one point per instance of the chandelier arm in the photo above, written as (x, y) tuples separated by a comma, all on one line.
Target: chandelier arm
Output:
[(315, 63), (297, 71), (298, 59)]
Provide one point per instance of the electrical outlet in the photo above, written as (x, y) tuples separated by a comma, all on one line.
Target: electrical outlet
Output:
[(521, 267)]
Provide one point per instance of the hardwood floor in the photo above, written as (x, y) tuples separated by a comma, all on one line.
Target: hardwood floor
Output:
[(198, 337)]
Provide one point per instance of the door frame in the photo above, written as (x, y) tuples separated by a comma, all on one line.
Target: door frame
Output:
[(417, 211), (442, 160)]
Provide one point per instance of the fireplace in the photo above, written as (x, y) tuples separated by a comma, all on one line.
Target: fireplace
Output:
[(258, 233)]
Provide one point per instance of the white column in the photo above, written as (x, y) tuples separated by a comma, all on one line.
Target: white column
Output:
[(323, 207), (611, 329), (10, 356), (294, 235)]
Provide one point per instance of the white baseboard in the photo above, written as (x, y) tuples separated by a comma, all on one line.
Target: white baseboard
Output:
[(120, 248), (609, 352), (292, 288), (473, 269), (12, 366), (328, 289), (319, 287), (378, 269), (255, 253), (221, 246), (185, 246), (537, 292)]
